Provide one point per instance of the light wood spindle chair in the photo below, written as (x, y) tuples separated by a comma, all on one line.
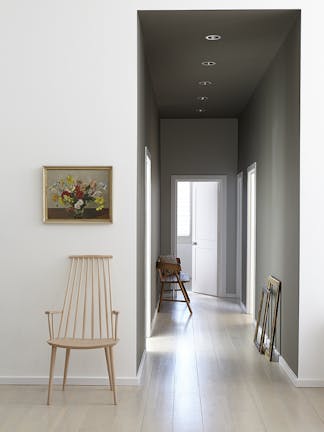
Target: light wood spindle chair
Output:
[(88, 320)]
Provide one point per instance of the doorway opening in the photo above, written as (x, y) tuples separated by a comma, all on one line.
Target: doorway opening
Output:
[(251, 239), (239, 226), (148, 241), (199, 231), (217, 106)]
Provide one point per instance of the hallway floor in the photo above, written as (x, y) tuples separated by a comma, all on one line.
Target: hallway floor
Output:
[(202, 374)]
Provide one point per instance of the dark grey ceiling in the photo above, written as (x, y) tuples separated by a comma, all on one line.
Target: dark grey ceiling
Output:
[(175, 46)]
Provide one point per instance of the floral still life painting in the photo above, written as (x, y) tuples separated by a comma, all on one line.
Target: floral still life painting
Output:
[(77, 194)]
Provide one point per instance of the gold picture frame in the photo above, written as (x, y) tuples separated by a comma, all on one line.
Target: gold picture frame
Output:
[(77, 194), (268, 314)]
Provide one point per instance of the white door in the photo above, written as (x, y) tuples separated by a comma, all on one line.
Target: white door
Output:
[(251, 240), (205, 237)]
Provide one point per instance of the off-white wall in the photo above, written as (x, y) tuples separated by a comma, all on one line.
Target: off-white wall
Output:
[(311, 278), (68, 95), (63, 87)]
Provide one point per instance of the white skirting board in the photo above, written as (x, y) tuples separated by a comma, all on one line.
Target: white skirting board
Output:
[(140, 372), (78, 380), (243, 307), (298, 382), (230, 296), (154, 319), (291, 375), (73, 380)]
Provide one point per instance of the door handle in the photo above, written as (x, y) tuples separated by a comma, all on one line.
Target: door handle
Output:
[(194, 243)]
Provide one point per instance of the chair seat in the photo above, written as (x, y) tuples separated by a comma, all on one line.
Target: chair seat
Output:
[(75, 343), (184, 277)]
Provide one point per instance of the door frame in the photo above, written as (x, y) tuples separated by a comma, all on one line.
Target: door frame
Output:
[(222, 225), (239, 232), (148, 243), (251, 278)]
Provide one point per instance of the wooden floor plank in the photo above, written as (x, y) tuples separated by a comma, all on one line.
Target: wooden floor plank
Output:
[(202, 374)]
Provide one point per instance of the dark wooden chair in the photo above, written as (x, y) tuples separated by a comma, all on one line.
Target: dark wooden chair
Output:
[(169, 270)]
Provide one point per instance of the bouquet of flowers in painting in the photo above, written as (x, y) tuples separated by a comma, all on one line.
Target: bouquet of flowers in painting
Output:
[(75, 195)]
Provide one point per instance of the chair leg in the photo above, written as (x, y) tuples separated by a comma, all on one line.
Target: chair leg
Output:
[(161, 295), (185, 295), (50, 382), (184, 291), (108, 366), (66, 365), (111, 358)]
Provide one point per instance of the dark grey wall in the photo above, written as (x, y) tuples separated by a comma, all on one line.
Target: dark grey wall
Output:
[(269, 136), (199, 147), (148, 135)]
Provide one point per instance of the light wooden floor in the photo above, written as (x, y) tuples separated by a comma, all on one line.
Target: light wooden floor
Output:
[(203, 374)]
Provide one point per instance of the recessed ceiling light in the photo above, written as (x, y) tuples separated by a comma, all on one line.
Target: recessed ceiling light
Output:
[(201, 110), (213, 37), (202, 98), (205, 83), (208, 63)]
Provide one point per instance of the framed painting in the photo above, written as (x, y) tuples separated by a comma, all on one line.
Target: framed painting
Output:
[(77, 194)]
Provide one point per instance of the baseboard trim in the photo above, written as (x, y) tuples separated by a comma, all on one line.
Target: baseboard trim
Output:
[(230, 295), (73, 380), (243, 307), (154, 320), (310, 383), (141, 368), (298, 382), (78, 380), (291, 375)]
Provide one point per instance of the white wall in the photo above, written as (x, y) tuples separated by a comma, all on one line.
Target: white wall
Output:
[(311, 294), (68, 95), (63, 89)]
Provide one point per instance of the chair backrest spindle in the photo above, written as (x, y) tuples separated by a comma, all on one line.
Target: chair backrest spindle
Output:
[(71, 296), (87, 307), (65, 297), (77, 301), (99, 301), (92, 299), (110, 299), (106, 299), (85, 299)]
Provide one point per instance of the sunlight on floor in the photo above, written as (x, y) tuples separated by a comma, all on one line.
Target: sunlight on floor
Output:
[(202, 373)]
